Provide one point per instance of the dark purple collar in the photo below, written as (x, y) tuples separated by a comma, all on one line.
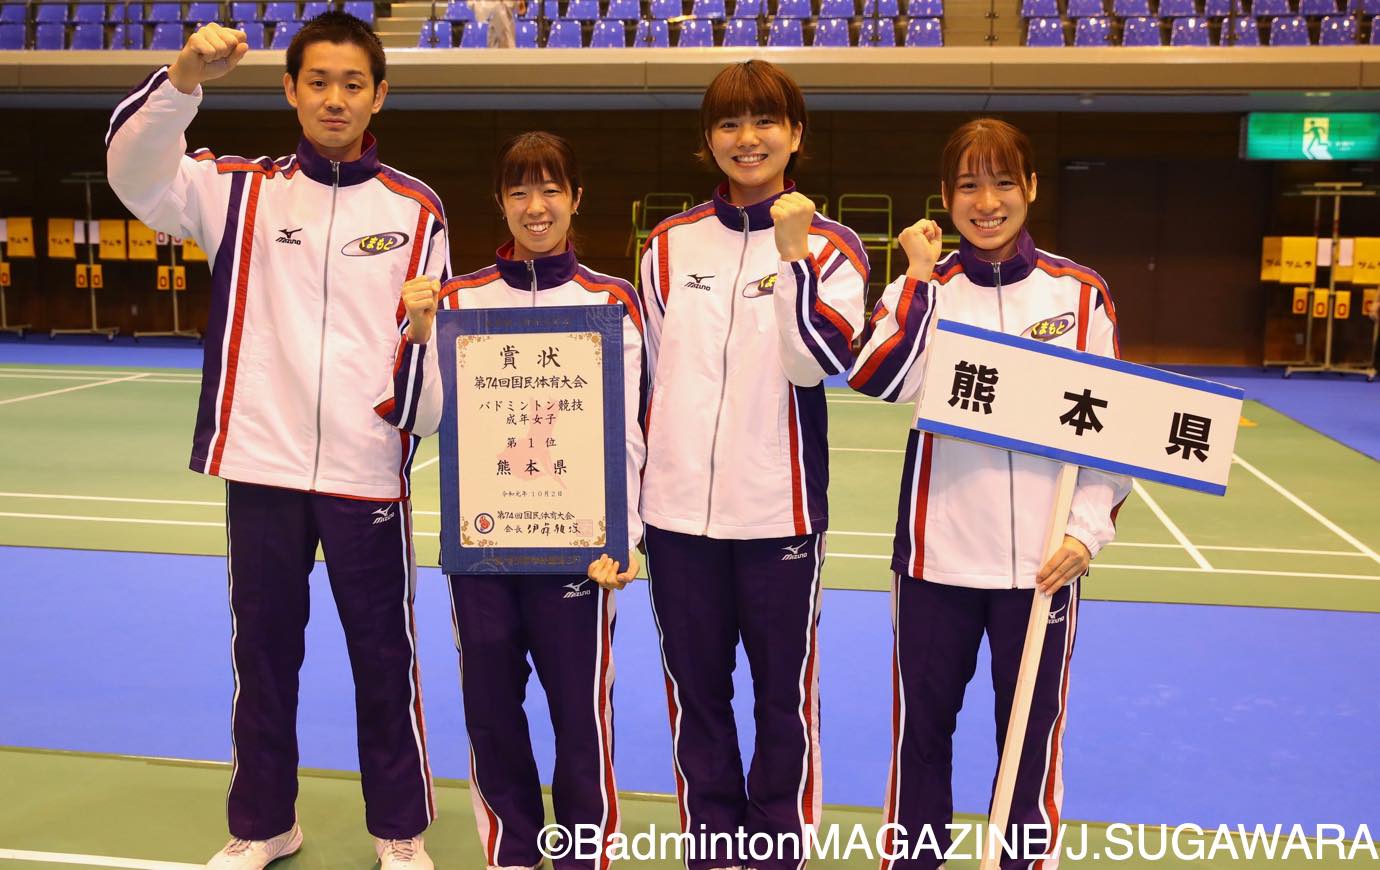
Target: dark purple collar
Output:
[(1013, 269), (553, 270), (758, 214), (319, 168)]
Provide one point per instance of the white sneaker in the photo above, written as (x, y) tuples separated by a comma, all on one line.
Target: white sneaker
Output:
[(256, 854), (402, 854)]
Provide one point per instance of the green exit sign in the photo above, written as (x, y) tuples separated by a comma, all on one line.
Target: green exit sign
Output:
[(1345, 136)]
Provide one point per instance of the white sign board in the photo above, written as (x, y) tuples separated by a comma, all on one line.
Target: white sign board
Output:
[(1031, 397)]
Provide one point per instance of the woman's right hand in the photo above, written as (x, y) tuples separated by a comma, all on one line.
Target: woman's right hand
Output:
[(923, 243), (420, 297)]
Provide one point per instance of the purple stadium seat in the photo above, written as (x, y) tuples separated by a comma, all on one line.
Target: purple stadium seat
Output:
[(88, 37), (253, 33), (1370, 7), (565, 34), (582, 10), (749, 8), (1241, 30), (525, 34), (458, 10), (280, 11), (832, 33), (1178, 8), (793, 9), (1271, 9), (361, 9), (125, 36), (1086, 9), (1338, 30), (87, 13), (609, 34), (664, 9), (877, 33), (11, 37), (52, 12), (624, 10), (552, 10), (708, 9), (283, 34), (1044, 33), (244, 11), (1092, 32), (741, 33), (434, 34), (925, 8), (1318, 7), (1131, 8), (1374, 33), (837, 9), (696, 33), (313, 8), (1141, 32), (652, 33), (881, 9), (1039, 8), (203, 13), (925, 33), (1190, 32), (786, 33), (167, 37), (474, 35), (1289, 30), (13, 13), (1222, 8)]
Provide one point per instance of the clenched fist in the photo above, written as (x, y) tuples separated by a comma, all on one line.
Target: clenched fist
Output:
[(420, 297), (211, 53), (922, 241), (791, 215)]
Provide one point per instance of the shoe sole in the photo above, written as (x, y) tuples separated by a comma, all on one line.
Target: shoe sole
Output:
[(292, 848)]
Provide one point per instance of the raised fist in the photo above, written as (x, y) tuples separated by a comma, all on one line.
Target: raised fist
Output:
[(791, 215), (420, 297), (211, 53), (922, 241)]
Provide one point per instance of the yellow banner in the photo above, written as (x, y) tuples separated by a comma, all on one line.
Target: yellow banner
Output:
[(142, 241), (164, 277), (1271, 249), (179, 278), (1369, 298), (1366, 268), (62, 239), (1319, 303), (21, 237), (192, 252), (113, 240), (97, 276), (4, 274), (1341, 304), (1298, 259), (1301, 300), (81, 276)]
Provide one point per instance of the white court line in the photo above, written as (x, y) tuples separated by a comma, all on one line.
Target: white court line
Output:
[(876, 403), (861, 534), (1173, 529), (112, 498), (432, 461), (1306, 508), (111, 520), (862, 450), (1347, 553), (100, 372), (1242, 571), (68, 376), (93, 860), (70, 389)]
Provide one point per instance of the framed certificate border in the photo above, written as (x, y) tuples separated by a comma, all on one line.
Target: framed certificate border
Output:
[(607, 320)]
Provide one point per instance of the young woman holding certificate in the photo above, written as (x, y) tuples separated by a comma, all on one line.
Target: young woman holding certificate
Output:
[(752, 299), (970, 538), (564, 622)]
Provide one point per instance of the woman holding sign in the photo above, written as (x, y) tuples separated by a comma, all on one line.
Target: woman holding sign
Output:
[(969, 548), (752, 299), (564, 622)]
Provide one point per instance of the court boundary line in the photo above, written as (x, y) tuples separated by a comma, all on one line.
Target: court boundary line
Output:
[(1307, 508), (93, 860), (1169, 524), (135, 377)]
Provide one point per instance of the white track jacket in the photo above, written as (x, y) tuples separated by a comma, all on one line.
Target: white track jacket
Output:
[(972, 515), (307, 260), (738, 343)]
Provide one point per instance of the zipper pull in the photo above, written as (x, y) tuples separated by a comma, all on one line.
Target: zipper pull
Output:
[(532, 270), (335, 169)]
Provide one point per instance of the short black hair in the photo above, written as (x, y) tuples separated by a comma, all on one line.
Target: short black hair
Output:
[(339, 28)]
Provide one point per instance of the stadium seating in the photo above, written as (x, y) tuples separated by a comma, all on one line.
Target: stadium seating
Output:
[(696, 33), (1141, 32), (609, 34), (565, 34), (1289, 30), (1190, 32), (1039, 8), (1092, 32), (832, 33), (283, 34), (793, 9), (925, 8), (836, 9), (458, 10), (925, 33), (877, 32), (624, 10), (741, 33), (652, 34), (1086, 9), (708, 9), (434, 34), (1241, 31), (881, 9), (1044, 33), (11, 37), (253, 32), (1338, 30), (1178, 8), (525, 35), (1271, 8), (582, 10), (665, 8), (786, 33), (1131, 8)]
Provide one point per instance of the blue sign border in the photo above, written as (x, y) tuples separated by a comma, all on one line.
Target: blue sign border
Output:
[(1085, 459), (607, 320)]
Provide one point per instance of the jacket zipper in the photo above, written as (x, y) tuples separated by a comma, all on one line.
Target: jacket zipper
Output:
[(325, 298), (532, 270), (1010, 458), (723, 386)]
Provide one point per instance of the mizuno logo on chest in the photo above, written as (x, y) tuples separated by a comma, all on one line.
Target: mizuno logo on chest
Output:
[(696, 282), (287, 237)]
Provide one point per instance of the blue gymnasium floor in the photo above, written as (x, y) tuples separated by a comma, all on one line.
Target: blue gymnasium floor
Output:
[(133, 666)]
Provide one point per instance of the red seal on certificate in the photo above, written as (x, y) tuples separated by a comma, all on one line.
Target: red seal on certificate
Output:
[(483, 524)]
